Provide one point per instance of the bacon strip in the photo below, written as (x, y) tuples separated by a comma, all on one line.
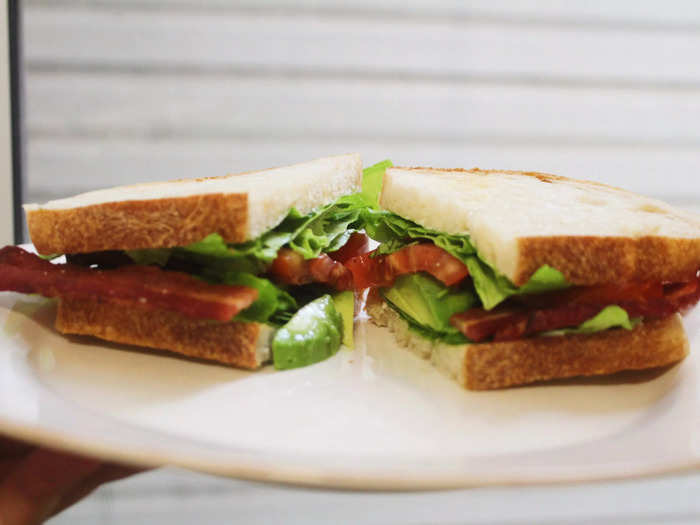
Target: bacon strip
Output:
[(142, 286), (290, 267), (552, 311), (509, 323)]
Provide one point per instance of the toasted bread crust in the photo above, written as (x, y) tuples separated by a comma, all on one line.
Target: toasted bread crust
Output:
[(239, 207), (497, 365), (133, 225), (488, 366), (542, 177), (586, 260), (229, 343)]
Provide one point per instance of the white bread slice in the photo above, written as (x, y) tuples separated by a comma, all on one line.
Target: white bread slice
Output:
[(244, 345), (519, 221), (487, 366), (165, 214)]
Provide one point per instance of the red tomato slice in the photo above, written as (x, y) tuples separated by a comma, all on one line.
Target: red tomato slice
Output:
[(357, 244), (382, 271)]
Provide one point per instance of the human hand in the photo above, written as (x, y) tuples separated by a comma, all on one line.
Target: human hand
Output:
[(37, 483)]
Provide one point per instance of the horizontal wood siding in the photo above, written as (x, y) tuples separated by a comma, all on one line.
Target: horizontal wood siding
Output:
[(443, 48)]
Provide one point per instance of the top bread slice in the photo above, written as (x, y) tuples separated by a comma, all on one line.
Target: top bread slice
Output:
[(519, 221), (165, 214)]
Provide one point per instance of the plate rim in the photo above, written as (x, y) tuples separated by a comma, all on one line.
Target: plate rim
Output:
[(324, 478)]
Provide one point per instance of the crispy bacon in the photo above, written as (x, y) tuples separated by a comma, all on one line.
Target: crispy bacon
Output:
[(143, 286), (323, 269), (290, 267), (381, 271), (479, 324), (645, 299), (529, 315)]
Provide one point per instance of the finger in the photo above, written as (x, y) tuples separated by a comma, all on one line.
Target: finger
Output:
[(104, 474), (35, 487), (10, 448), (7, 466), (11, 452)]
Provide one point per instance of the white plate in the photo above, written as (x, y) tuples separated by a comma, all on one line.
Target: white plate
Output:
[(375, 417)]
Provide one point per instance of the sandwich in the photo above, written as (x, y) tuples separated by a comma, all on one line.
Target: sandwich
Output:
[(239, 269), (503, 278)]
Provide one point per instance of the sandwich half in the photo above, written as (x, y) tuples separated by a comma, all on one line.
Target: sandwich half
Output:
[(503, 278), (222, 268)]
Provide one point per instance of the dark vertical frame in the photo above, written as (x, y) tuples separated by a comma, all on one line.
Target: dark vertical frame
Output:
[(14, 20)]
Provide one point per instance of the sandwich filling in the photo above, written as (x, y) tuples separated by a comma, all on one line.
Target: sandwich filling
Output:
[(292, 277), (440, 285), (297, 261)]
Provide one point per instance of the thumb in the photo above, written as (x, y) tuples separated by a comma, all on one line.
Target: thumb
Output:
[(33, 490)]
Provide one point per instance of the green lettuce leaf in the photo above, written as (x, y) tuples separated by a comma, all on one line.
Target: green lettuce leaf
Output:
[(249, 257), (494, 288), (273, 306), (155, 256), (395, 232), (327, 229), (373, 180), (609, 317), (545, 279)]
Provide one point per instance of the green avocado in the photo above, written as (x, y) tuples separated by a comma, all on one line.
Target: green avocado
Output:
[(344, 303), (313, 334), (428, 302)]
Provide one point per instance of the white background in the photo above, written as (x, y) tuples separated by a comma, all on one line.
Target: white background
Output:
[(127, 91)]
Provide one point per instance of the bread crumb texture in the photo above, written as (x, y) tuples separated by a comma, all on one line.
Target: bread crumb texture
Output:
[(235, 343), (134, 225)]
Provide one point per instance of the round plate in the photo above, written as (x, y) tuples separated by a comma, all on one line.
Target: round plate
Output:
[(375, 417)]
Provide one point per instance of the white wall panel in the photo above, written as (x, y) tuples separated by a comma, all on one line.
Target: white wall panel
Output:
[(313, 42), (192, 105), (61, 167), (627, 13)]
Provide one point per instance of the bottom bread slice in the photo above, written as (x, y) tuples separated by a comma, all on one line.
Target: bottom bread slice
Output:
[(245, 345), (486, 366)]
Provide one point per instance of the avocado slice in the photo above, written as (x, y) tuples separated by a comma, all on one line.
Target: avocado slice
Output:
[(345, 305), (428, 302), (313, 334)]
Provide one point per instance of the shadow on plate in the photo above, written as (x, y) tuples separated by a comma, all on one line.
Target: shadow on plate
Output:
[(137, 374)]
